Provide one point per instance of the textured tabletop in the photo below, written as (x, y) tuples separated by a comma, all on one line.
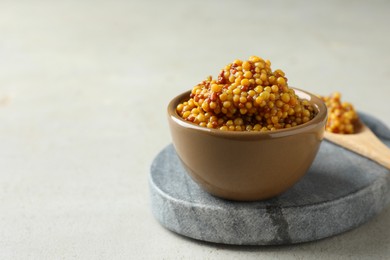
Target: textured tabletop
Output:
[(84, 87)]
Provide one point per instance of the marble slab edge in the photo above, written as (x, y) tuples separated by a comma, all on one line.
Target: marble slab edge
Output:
[(272, 225)]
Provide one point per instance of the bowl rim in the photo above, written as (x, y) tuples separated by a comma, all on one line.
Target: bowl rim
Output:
[(318, 104)]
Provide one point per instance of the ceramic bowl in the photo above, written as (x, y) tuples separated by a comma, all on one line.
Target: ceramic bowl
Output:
[(247, 166)]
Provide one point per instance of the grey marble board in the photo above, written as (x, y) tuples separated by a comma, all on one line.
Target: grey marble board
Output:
[(341, 191)]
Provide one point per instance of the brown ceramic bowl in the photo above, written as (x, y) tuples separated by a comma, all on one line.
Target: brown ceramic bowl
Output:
[(247, 166)]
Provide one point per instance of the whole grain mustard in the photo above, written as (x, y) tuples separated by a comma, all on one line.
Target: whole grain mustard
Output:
[(342, 116), (246, 96)]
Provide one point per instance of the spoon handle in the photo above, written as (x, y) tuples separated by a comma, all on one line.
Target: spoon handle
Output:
[(364, 143)]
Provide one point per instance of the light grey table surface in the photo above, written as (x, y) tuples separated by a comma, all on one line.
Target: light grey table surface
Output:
[(83, 90)]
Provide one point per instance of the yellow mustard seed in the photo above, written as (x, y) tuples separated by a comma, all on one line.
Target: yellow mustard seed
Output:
[(248, 75), (245, 82)]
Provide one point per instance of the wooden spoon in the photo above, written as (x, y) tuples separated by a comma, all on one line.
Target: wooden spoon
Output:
[(365, 143)]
